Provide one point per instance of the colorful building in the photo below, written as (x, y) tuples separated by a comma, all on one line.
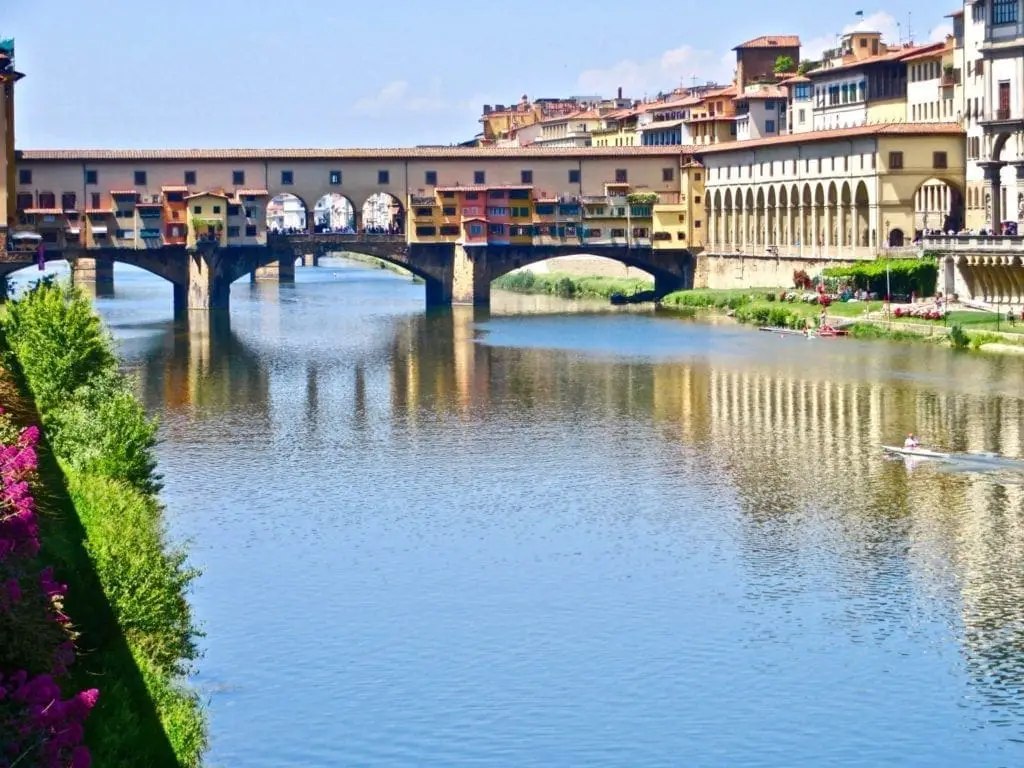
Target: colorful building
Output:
[(207, 218)]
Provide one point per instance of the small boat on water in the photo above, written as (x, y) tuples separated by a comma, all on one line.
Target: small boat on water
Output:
[(979, 459)]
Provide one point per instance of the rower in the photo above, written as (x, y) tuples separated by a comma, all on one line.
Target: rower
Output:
[(911, 442)]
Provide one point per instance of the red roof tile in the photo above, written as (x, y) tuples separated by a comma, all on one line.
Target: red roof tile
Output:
[(771, 41)]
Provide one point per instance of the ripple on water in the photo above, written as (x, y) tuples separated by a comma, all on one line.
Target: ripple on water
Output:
[(581, 539)]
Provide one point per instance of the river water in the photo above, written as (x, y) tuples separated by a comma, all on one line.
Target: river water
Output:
[(559, 535)]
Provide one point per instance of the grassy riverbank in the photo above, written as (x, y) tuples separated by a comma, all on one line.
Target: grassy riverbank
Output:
[(127, 584), (569, 286), (761, 307)]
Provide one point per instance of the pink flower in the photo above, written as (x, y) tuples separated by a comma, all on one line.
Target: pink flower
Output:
[(80, 758)]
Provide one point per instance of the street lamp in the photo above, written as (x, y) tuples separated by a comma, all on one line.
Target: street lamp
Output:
[(888, 286)]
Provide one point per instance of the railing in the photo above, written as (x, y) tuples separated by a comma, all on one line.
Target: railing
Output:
[(1001, 243), (948, 80), (998, 116)]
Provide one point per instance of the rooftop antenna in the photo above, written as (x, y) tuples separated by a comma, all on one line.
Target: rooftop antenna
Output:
[(910, 34)]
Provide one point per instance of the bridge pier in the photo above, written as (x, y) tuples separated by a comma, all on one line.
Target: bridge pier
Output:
[(208, 284), (471, 283), (282, 270), (311, 259), (95, 275)]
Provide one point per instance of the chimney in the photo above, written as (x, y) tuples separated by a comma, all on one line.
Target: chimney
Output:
[(620, 92), (487, 109)]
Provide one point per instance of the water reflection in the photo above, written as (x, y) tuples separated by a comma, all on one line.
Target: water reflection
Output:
[(613, 533)]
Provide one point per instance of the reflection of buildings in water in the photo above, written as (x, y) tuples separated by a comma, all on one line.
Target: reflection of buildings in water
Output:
[(201, 363)]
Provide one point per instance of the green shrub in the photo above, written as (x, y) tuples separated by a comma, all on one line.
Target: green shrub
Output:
[(102, 429), (565, 288), (904, 275), (59, 341), (978, 340), (958, 338)]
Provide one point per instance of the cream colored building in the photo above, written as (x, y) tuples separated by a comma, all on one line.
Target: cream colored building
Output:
[(842, 194)]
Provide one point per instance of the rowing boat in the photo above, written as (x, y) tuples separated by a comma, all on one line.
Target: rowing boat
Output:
[(977, 459)]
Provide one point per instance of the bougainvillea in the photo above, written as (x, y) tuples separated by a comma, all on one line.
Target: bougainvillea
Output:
[(40, 726)]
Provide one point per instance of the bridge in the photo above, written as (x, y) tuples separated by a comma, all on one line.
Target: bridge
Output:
[(456, 217), (453, 273)]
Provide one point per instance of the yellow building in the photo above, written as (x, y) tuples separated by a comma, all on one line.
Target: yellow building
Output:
[(8, 179), (682, 224), (207, 218)]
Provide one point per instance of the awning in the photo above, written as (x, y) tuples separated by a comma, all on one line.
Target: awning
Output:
[(99, 230), (175, 188), (26, 236), (123, 192)]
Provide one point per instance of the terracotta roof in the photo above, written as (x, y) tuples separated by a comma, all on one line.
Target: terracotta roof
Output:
[(898, 54), (708, 118), (771, 92), (795, 79), (926, 54), (954, 14), (771, 41), (206, 194), (123, 192), (395, 154), (474, 218), (879, 129), (253, 192), (653, 126)]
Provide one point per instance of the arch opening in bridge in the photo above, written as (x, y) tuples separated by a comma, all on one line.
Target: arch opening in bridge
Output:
[(582, 265), (940, 206), (334, 213), (286, 214), (383, 214)]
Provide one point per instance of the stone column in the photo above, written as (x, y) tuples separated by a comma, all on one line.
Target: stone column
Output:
[(746, 230), (814, 230), (764, 226), (281, 270), (840, 229), (827, 240), (469, 276), (95, 275), (992, 169), (735, 227), (207, 287)]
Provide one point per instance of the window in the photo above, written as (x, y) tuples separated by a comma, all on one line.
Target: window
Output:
[(448, 210), (287, 178), (24, 200), (449, 229), (47, 200), (424, 213), (497, 211), (233, 231), (250, 213), (383, 177), (696, 224), (497, 229), (769, 126), (895, 161), (24, 176), (190, 177), (939, 160), (476, 229), (696, 177), (617, 233), (67, 201), (426, 231), (1004, 11), (639, 231), (496, 194), (197, 209), (696, 199), (545, 209), (448, 195), (216, 209), (621, 175), (479, 177), (140, 178), (526, 177), (593, 233), (238, 178), (574, 176), (91, 177), (334, 178), (430, 178), (519, 194), (94, 200), (234, 210), (667, 174), (250, 230), (472, 195), (802, 91)]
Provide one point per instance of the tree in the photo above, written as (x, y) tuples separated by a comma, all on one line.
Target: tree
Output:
[(805, 66), (784, 64)]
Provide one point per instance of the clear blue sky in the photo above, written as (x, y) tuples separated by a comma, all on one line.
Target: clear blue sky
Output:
[(363, 73)]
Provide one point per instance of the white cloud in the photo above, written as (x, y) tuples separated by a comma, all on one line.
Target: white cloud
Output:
[(397, 97), (673, 68), (940, 33), (880, 21)]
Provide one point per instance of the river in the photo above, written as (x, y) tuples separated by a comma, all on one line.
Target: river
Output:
[(559, 535)]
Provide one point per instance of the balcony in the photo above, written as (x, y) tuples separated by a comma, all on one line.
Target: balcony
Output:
[(949, 80), (1001, 120)]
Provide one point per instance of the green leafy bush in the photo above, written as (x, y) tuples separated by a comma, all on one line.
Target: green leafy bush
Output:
[(904, 275), (958, 338)]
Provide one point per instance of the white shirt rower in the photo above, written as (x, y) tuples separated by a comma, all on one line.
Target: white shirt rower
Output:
[(911, 442)]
